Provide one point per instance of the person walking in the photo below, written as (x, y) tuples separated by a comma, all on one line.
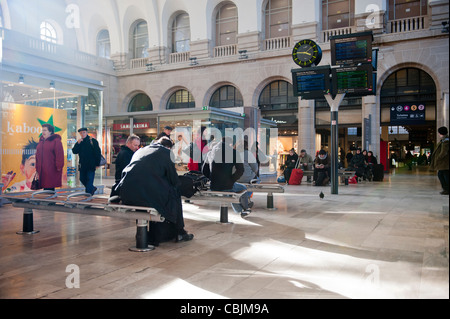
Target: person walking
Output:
[(439, 160), (89, 154), (49, 158)]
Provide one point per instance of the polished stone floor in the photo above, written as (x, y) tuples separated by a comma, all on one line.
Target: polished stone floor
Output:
[(372, 240)]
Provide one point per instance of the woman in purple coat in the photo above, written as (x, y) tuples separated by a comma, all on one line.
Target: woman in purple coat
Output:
[(49, 158)]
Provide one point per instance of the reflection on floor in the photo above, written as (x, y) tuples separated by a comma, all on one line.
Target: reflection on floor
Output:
[(373, 240)]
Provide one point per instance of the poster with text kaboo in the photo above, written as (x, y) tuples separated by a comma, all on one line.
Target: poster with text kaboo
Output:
[(21, 130)]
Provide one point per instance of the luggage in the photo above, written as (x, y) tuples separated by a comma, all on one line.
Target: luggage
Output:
[(281, 179), (353, 180), (296, 176), (159, 232), (378, 173), (192, 182)]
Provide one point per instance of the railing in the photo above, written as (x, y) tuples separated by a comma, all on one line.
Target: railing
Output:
[(408, 24), (277, 43), (138, 63), (327, 34), (179, 57), (225, 50)]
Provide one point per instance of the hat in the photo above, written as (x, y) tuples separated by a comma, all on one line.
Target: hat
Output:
[(168, 128), (443, 130), (82, 129)]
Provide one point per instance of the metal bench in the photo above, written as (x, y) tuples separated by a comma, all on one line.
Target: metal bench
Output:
[(85, 204), (266, 188), (345, 175), (224, 198)]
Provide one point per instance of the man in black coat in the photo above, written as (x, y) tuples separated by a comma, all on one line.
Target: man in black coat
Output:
[(151, 180), (126, 153), (89, 154), (223, 166)]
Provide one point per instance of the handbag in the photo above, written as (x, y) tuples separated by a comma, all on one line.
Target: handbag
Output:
[(102, 161), (35, 184)]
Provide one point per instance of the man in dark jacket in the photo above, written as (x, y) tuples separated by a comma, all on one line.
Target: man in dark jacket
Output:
[(322, 169), (358, 163), (151, 180), (220, 162), (440, 160), (126, 153), (290, 164), (89, 154)]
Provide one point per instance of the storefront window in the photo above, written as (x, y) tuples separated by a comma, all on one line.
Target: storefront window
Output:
[(181, 99), (141, 102)]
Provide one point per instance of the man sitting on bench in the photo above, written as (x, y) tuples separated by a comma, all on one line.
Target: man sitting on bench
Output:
[(218, 167), (151, 180), (322, 169)]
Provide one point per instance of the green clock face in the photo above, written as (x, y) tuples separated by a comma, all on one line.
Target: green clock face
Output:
[(306, 53)]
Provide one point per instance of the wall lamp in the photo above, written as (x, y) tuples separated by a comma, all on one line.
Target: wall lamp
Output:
[(243, 54), (149, 66), (52, 85), (193, 61), (21, 79)]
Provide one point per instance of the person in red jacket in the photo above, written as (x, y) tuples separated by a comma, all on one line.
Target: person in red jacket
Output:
[(49, 158)]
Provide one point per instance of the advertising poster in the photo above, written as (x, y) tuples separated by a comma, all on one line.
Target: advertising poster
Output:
[(21, 130)]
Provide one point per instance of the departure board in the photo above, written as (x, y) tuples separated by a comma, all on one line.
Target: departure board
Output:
[(354, 80), (311, 83), (351, 49)]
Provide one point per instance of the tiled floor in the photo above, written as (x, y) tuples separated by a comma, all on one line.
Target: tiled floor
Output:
[(373, 240)]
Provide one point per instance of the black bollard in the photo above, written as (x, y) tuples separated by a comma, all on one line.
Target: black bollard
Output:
[(27, 226), (141, 237), (224, 214)]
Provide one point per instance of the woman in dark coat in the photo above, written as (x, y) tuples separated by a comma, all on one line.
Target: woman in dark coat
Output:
[(151, 180), (49, 158)]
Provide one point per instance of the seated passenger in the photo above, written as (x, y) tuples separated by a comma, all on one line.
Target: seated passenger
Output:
[(151, 180), (322, 169), (223, 167), (290, 163), (358, 163), (306, 163)]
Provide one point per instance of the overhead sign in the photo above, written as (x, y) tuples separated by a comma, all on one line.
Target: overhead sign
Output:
[(351, 49), (407, 114), (353, 80), (311, 83)]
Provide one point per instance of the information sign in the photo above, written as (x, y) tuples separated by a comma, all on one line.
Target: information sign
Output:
[(311, 83)]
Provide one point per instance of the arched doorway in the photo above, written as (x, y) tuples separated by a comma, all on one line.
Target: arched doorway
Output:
[(408, 115)]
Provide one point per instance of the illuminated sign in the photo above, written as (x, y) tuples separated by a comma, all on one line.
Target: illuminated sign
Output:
[(351, 49), (126, 126), (354, 80), (407, 114), (311, 83)]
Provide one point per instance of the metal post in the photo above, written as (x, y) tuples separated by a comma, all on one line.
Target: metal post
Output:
[(141, 237), (224, 214), (27, 226), (270, 201), (334, 106)]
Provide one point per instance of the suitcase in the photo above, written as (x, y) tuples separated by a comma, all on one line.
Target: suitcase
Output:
[(296, 176), (378, 173)]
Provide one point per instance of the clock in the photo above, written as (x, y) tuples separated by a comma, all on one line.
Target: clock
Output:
[(307, 53)]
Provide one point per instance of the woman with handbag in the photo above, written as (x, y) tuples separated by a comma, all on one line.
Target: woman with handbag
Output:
[(49, 159)]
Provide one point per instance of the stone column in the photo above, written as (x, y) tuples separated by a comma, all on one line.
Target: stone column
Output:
[(369, 107), (306, 131)]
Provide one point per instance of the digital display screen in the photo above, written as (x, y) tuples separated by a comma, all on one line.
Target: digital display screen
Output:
[(354, 81), (311, 83), (351, 49)]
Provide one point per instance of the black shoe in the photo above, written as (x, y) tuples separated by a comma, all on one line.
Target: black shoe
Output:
[(250, 204), (184, 237), (245, 213), (444, 193), (94, 190)]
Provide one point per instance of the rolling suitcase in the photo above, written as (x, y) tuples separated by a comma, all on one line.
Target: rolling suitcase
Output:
[(378, 173), (296, 176)]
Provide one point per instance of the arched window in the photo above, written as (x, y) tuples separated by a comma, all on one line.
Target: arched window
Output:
[(181, 99), (226, 25), (141, 102), (226, 96), (48, 32), (278, 18), (103, 44), (337, 14), (278, 95), (140, 40), (181, 33)]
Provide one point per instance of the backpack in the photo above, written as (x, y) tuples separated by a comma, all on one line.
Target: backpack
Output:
[(192, 182)]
